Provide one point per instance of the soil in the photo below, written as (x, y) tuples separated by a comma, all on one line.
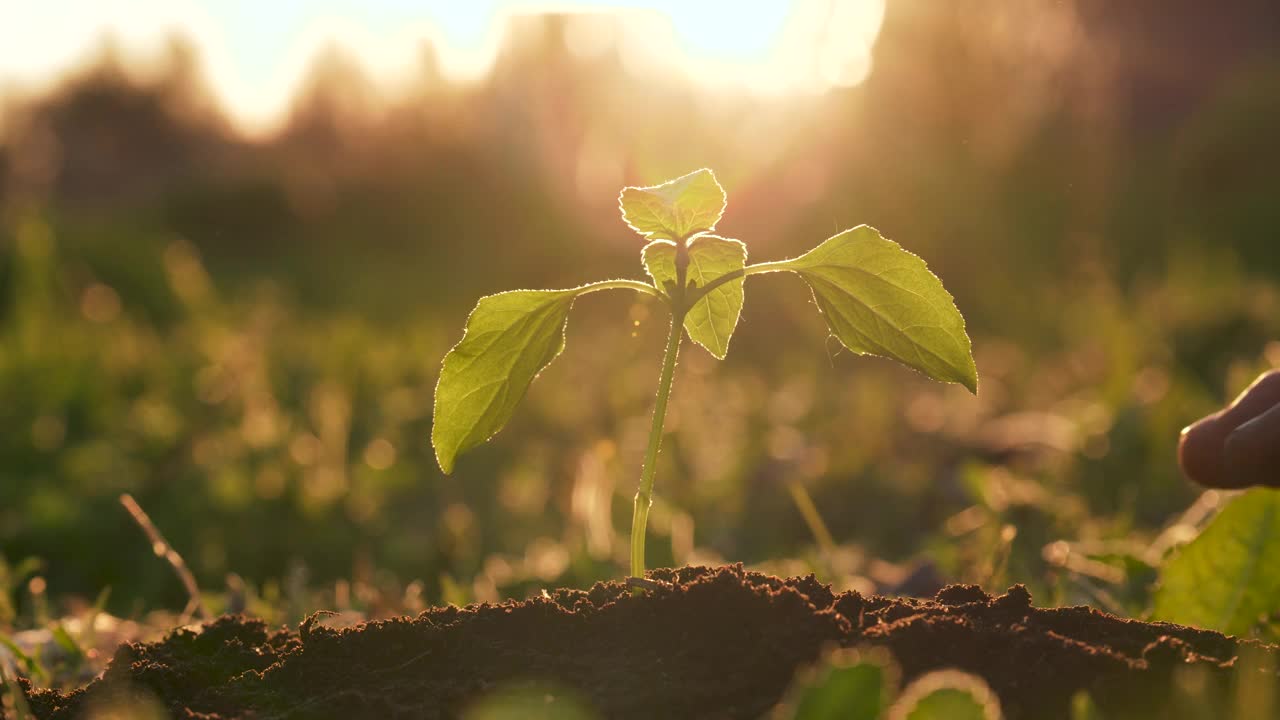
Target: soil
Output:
[(702, 643)]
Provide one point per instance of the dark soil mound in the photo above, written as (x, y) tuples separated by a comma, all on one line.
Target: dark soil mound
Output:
[(703, 643)]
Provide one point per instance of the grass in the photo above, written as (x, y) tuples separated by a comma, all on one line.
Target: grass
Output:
[(283, 449)]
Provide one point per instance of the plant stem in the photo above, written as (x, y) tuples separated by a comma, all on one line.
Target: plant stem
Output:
[(636, 285), (767, 267), (697, 294), (644, 495)]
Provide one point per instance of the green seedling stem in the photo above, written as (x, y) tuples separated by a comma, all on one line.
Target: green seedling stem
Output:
[(644, 494), (676, 301), (877, 298)]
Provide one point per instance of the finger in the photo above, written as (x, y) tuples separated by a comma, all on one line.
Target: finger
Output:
[(1202, 447), (1252, 451)]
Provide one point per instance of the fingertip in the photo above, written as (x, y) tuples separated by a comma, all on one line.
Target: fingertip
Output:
[(1200, 452), (1251, 452), (1239, 445)]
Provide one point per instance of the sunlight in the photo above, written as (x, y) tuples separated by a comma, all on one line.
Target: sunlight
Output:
[(811, 47), (359, 356), (255, 54)]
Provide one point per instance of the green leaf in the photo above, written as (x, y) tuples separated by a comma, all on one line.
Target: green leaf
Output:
[(879, 299), (510, 337), (659, 259), (676, 209), (947, 695), (843, 686), (712, 319), (1228, 578)]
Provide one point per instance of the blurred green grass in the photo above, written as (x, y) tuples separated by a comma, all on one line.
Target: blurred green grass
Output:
[(264, 436), (249, 345)]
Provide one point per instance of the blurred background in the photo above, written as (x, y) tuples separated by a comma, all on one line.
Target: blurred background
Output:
[(237, 238)]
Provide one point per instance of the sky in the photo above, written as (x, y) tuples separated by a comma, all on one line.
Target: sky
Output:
[(255, 51)]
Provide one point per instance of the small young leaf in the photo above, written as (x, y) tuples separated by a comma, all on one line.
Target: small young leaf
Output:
[(510, 337), (946, 695), (879, 299), (712, 319), (676, 209), (659, 259), (1228, 577)]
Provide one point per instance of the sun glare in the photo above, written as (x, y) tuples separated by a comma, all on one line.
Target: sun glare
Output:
[(256, 54)]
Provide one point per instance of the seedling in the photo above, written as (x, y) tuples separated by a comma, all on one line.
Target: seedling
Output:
[(877, 298)]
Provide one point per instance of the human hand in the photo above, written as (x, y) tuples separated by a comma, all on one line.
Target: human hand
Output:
[(1239, 445)]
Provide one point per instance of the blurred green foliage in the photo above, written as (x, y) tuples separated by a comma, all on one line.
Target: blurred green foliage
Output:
[(1227, 579), (850, 684), (244, 334)]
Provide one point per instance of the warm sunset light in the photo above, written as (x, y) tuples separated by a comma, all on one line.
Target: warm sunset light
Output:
[(624, 359), (256, 53)]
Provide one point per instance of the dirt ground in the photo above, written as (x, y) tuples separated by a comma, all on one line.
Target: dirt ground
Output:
[(701, 643)]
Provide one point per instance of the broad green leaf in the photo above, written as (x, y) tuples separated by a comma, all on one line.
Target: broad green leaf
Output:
[(947, 695), (509, 338), (843, 686), (879, 299), (1228, 578), (676, 209), (712, 319)]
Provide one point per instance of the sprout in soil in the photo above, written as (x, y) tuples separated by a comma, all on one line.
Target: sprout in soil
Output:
[(877, 298)]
